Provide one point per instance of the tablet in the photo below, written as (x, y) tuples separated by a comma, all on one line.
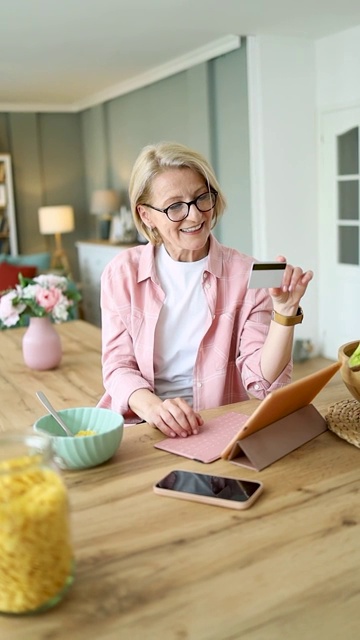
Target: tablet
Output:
[(282, 402), (219, 435)]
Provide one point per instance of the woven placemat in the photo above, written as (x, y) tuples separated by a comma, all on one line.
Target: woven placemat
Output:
[(343, 418)]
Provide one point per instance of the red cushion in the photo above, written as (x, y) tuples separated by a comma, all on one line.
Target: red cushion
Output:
[(9, 274)]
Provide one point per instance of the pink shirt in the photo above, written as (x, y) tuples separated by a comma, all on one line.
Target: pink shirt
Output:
[(227, 365)]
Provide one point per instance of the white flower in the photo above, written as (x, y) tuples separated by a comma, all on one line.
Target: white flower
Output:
[(49, 281), (60, 311), (9, 312)]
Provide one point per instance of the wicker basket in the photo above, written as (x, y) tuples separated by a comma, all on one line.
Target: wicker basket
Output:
[(343, 418)]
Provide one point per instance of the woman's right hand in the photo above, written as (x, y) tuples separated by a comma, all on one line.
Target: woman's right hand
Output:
[(173, 416)]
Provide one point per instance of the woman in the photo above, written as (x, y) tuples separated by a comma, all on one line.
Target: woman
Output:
[(181, 330)]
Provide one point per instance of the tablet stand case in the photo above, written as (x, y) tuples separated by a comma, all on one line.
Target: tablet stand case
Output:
[(262, 448)]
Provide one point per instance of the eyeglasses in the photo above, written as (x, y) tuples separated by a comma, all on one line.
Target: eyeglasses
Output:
[(180, 210)]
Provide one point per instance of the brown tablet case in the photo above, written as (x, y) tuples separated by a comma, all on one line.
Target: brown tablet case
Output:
[(284, 421), (262, 448)]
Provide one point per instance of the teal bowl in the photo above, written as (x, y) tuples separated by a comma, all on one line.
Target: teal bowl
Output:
[(83, 452)]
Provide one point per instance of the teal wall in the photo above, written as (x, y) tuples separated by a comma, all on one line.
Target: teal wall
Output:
[(48, 168), (60, 158), (231, 154)]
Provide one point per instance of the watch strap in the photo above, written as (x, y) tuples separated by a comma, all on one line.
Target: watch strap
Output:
[(288, 321)]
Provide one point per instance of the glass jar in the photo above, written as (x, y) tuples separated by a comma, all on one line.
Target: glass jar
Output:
[(36, 558)]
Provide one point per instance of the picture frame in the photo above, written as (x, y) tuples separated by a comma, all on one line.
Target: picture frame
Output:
[(122, 228)]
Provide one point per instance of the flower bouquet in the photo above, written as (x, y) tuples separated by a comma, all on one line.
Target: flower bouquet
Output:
[(43, 296)]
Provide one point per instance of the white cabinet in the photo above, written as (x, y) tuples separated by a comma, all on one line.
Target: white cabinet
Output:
[(8, 233), (93, 258)]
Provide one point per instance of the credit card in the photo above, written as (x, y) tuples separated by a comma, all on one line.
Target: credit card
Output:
[(265, 275)]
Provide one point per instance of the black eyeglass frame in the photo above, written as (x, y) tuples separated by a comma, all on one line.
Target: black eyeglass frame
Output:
[(166, 210)]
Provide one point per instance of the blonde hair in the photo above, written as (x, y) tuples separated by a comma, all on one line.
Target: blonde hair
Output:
[(154, 160)]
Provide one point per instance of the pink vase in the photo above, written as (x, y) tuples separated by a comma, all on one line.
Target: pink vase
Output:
[(41, 345)]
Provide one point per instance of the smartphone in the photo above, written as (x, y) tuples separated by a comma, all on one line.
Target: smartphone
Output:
[(208, 489), (266, 274)]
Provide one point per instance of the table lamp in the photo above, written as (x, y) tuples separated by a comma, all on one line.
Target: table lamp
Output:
[(57, 220), (104, 202)]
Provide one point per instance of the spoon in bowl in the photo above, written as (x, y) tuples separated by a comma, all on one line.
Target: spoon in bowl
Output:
[(43, 399)]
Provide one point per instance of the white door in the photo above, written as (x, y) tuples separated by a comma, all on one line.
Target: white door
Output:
[(339, 271)]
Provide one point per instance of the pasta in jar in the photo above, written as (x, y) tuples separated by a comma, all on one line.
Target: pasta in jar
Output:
[(36, 558)]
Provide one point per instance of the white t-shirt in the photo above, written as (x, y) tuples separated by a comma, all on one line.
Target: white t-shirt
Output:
[(181, 325)]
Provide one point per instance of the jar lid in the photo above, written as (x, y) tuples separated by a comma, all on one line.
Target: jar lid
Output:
[(14, 446)]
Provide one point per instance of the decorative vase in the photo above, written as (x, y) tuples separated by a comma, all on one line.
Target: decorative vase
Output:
[(41, 345)]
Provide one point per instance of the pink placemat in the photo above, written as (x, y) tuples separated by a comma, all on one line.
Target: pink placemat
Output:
[(207, 445)]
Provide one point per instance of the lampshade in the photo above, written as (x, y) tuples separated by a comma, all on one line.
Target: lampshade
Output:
[(59, 219), (105, 201)]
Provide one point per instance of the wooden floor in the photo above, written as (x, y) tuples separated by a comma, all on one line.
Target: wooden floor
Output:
[(302, 369)]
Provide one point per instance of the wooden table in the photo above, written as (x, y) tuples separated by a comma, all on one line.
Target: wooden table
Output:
[(76, 383), (150, 567)]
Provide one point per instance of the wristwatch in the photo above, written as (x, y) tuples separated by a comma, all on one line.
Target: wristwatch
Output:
[(288, 321)]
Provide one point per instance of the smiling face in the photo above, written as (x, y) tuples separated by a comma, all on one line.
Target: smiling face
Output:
[(188, 240)]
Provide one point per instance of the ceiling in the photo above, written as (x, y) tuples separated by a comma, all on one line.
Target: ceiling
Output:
[(69, 54)]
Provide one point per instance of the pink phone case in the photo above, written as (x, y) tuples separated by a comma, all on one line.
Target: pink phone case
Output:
[(215, 501)]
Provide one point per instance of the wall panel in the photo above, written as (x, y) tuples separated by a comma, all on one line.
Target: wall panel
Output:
[(230, 146), (24, 135), (4, 137), (61, 152), (153, 113)]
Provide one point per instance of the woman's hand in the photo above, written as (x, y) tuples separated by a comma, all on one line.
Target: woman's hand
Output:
[(286, 299), (277, 348), (174, 416)]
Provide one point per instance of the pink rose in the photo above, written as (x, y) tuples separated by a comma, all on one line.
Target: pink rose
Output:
[(47, 298)]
